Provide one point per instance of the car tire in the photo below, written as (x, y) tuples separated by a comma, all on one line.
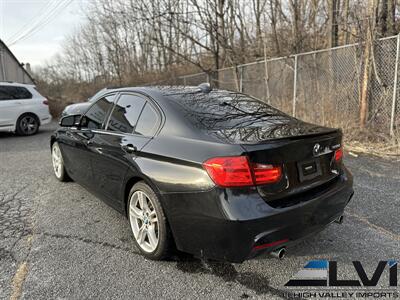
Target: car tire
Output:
[(58, 163), (27, 124), (153, 239)]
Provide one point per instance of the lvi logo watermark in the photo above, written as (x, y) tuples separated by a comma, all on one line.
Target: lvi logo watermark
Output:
[(324, 273)]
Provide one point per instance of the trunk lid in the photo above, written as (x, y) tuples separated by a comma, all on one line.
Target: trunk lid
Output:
[(307, 162)]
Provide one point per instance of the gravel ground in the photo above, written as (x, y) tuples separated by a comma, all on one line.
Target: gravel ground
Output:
[(59, 241)]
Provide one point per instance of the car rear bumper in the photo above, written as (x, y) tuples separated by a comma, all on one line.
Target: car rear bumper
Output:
[(234, 226)]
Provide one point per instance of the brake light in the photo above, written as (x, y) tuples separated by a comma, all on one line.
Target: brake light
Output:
[(234, 171), (45, 102), (229, 171), (338, 155), (264, 174)]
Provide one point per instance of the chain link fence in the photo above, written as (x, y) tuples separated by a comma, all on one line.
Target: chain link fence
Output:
[(323, 86)]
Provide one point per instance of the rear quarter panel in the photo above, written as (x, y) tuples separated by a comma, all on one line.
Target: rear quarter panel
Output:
[(36, 106), (174, 164)]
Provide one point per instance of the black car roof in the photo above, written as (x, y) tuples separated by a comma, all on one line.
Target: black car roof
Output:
[(167, 90)]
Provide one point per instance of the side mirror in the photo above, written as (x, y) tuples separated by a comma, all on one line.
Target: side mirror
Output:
[(70, 121)]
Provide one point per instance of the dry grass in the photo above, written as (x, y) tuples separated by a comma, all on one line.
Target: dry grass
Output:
[(368, 141), (378, 149), (56, 106), (18, 280), (20, 275)]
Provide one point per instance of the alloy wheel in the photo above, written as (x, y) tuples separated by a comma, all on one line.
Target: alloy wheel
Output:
[(28, 125), (57, 160), (144, 221)]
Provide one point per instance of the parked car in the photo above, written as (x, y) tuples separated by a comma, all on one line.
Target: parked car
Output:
[(81, 107), (75, 109), (215, 173), (22, 109)]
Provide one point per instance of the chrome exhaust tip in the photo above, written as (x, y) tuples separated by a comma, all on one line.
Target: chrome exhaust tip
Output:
[(340, 219), (279, 253)]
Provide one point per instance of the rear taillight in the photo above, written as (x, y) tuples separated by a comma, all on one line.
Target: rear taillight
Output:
[(45, 102), (338, 155), (264, 174), (234, 171), (229, 171)]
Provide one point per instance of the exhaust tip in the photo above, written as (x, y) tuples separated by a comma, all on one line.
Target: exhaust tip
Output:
[(279, 253), (282, 253), (340, 219)]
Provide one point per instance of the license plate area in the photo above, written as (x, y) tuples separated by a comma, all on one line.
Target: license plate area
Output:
[(309, 169)]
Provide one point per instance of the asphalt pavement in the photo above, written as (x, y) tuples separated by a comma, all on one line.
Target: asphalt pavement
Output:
[(59, 241)]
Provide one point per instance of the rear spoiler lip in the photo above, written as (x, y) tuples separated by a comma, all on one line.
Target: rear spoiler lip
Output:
[(296, 137)]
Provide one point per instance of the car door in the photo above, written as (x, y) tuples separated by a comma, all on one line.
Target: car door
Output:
[(76, 142), (119, 144), (12, 100)]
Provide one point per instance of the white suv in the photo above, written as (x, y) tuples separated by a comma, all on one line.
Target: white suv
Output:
[(22, 108)]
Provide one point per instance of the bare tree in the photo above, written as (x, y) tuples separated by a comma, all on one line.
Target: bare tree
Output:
[(334, 9), (133, 42)]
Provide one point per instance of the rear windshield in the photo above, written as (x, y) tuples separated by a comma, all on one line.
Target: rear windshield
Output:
[(223, 110)]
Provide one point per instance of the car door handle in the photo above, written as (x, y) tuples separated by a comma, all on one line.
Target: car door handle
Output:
[(128, 148)]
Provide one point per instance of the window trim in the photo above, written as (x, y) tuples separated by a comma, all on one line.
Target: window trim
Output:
[(102, 131)]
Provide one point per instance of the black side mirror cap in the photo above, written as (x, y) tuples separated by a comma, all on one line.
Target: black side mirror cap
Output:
[(71, 121)]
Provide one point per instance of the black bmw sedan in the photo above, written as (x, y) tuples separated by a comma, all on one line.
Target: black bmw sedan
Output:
[(214, 173)]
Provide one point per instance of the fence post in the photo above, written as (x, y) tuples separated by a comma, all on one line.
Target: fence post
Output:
[(184, 80), (295, 86), (241, 79), (395, 87), (266, 78)]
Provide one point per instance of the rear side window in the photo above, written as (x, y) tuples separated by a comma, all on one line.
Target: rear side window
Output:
[(96, 115), (126, 113), (148, 121), (8, 92)]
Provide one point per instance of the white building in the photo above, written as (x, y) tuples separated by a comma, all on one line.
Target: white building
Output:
[(10, 68)]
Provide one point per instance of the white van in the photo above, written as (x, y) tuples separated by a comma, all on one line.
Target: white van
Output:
[(22, 108)]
